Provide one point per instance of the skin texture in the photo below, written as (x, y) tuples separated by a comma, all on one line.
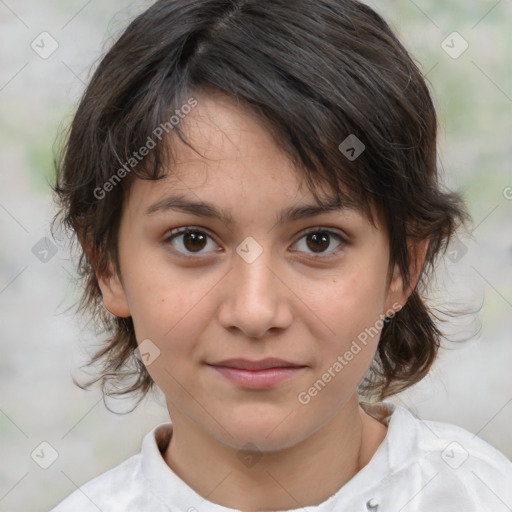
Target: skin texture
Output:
[(292, 303)]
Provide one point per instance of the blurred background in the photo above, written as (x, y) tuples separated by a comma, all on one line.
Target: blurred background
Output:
[(47, 49)]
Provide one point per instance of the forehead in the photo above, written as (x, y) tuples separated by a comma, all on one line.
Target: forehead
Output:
[(231, 149), (235, 162), (229, 142)]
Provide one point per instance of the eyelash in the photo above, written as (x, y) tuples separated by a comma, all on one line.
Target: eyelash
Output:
[(191, 229)]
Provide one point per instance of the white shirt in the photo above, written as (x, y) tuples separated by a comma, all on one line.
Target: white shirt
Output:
[(421, 466)]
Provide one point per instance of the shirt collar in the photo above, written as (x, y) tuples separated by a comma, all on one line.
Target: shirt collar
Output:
[(398, 446)]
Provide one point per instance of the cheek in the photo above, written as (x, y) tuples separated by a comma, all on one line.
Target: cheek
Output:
[(169, 308), (169, 305), (351, 308), (351, 302), (172, 312)]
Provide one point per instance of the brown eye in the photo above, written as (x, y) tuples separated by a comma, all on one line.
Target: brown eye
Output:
[(188, 241), (194, 241), (319, 240)]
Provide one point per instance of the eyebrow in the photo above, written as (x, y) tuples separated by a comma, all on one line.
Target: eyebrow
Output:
[(208, 210)]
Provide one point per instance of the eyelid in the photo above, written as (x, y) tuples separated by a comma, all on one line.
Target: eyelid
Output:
[(184, 229), (175, 232), (332, 232), (325, 229)]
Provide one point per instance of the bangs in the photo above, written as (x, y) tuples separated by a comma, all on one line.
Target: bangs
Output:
[(312, 92)]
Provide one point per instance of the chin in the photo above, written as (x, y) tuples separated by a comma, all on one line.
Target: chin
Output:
[(267, 433), (260, 442)]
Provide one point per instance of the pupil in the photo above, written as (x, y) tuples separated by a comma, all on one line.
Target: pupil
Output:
[(319, 237), (195, 239)]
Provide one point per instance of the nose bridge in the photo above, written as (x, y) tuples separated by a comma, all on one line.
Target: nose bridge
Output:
[(254, 278), (254, 302), (255, 275)]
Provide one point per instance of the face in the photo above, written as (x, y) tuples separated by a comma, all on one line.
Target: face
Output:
[(255, 285)]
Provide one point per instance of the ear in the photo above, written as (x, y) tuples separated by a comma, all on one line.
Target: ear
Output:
[(397, 293), (112, 290), (114, 296)]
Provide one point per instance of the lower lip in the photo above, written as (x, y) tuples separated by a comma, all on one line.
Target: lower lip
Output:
[(258, 379)]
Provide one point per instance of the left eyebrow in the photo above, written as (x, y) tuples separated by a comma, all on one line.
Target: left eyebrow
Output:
[(208, 210)]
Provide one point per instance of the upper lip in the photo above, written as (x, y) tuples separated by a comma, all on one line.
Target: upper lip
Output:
[(262, 364)]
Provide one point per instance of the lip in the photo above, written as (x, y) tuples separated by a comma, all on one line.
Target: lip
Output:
[(262, 374), (262, 364)]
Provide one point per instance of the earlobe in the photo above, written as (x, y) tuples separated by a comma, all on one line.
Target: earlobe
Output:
[(397, 292), (112, 290), (418, 254), (114, 296)]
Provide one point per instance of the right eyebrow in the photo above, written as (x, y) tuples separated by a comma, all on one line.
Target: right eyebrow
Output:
[(209, 210)]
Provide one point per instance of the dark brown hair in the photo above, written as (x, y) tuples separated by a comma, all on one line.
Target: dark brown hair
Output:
[(316, 71)]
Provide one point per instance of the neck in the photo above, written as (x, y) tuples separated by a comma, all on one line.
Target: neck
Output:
[(304, 475)]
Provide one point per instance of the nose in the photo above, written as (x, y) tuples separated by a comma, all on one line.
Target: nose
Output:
[(257, 298)]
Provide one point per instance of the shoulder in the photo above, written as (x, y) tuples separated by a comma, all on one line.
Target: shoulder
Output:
[(123, 488), (458, 465), (107, 491), (455, 446)]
